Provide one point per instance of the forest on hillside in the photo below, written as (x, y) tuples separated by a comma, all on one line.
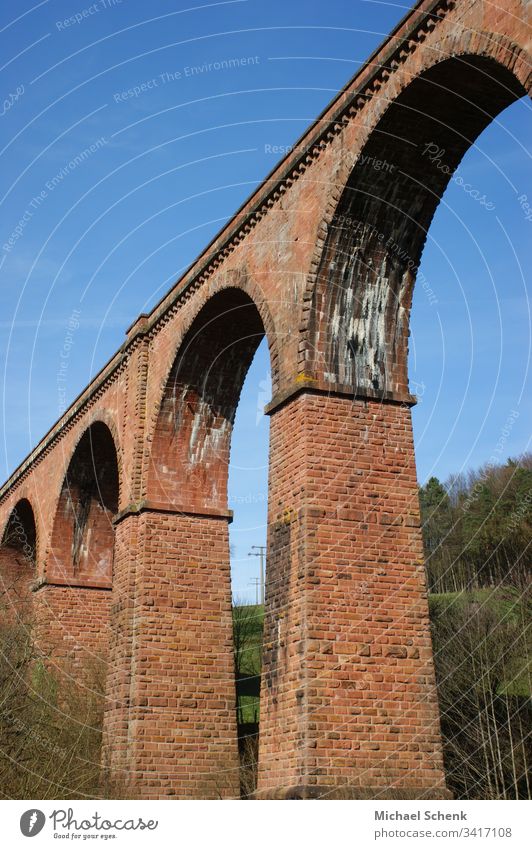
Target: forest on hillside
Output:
[(477, 528), (477, 533)]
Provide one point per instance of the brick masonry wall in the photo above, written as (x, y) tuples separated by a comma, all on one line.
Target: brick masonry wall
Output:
[(282, 740), (347, 634), (71, 627), (94, 562), (170, 724), (118, 755), (16, 580)]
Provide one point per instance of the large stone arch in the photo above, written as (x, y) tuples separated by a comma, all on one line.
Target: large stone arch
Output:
[(373, 233), (81, 545), (192, 427), (18, 560)]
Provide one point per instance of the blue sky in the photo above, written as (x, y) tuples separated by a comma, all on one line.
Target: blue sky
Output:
[(171, 163)]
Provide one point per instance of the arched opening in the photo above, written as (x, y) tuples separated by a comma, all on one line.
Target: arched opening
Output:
[(83, 534), (378, 231), (190, 454), (17, 562), (248, 500)]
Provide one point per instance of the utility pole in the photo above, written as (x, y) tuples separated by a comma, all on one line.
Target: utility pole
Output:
[(255, 582), (259, 551)]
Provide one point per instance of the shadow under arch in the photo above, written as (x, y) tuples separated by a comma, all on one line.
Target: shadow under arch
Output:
[(18, 559), (82, 541), (189, 460), (359, 325)]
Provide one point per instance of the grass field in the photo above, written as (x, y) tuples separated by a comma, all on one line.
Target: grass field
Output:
[(248, 621)]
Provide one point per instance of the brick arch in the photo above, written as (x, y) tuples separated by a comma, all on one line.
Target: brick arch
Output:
[(18, 562), (98, 415), (232, 279), (82, 536), (191, 436), (479, 56), (22, 497), (106, 418)]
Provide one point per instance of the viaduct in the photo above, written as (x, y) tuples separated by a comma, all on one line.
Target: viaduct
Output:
[(115, 529)]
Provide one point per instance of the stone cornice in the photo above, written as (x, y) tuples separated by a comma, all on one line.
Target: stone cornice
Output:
[(72, 583), (337, 390), (172, 510)]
